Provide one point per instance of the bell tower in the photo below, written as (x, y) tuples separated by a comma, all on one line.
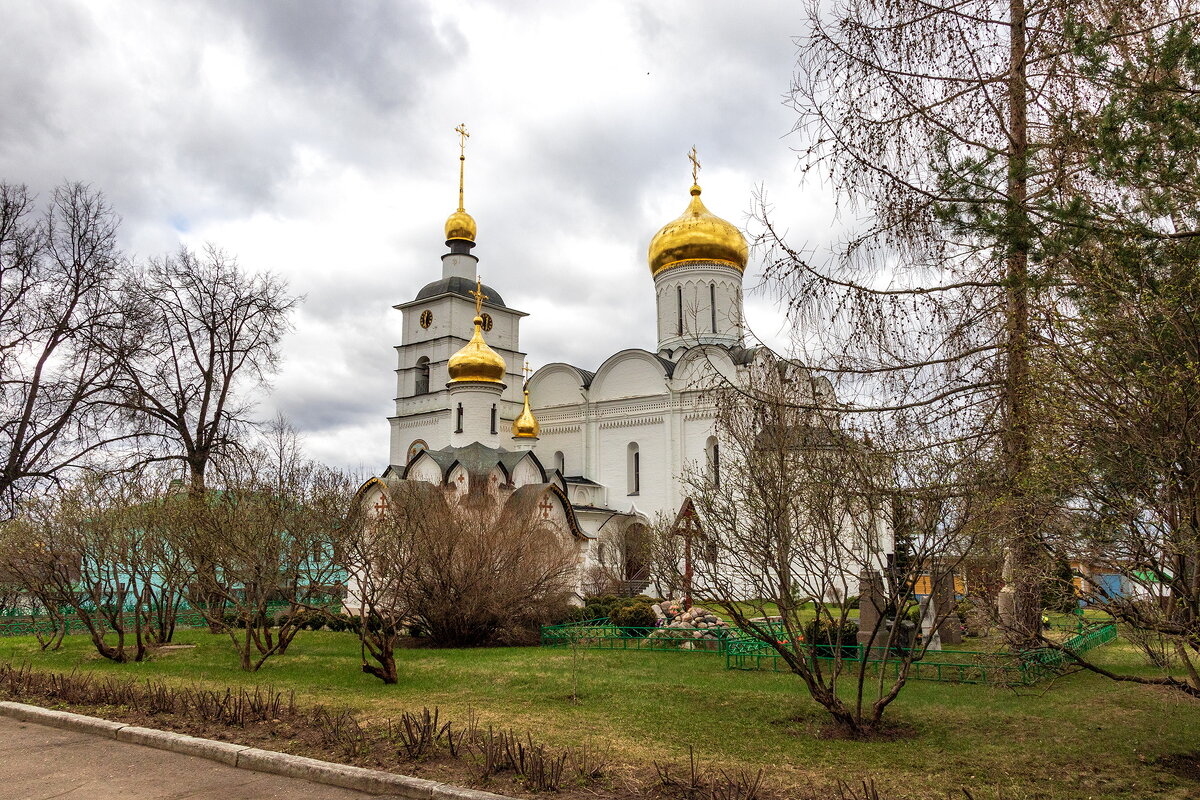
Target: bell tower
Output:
[(437, 323)]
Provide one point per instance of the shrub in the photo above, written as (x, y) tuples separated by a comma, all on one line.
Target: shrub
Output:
[(825, 636), (607, 606), (633, 617)]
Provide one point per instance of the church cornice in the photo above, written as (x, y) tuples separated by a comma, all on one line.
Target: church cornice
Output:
[(452, 296), (635, 422), (556, 429)]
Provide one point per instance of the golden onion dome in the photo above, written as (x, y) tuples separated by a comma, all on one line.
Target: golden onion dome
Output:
[(460, 225), (476, 361), (525, 426), (697, 235)]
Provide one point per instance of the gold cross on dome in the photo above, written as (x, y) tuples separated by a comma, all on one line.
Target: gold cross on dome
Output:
[(528, 370), (461, 130), (462, 159), (695, 163), (478, 295)]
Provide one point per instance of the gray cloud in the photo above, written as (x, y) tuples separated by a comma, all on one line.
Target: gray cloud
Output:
[(315, 140)]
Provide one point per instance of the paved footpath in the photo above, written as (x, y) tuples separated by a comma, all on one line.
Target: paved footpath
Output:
[(39, 763)]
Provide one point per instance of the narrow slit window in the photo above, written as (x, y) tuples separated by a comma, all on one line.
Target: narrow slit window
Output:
[(712, 304)]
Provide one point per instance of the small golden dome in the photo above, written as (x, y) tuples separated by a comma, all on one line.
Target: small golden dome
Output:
[(697, 235), (476, 361), (525, 426), (460, 225)]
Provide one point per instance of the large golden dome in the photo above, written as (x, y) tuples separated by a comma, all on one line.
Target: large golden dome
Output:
[(476, 361), (697, 235), (460, 225), (525, 426)]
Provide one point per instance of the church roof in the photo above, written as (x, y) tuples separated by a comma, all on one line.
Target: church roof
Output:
[(743, 355), (475, 458), (580, 480), (459, 286)]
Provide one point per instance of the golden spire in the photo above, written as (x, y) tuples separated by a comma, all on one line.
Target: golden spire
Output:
[(476, 361), (462, 159), (697, 235), (460, 224), (525, 426)]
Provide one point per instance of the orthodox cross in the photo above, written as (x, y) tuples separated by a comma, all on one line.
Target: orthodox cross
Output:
[(461, 130), (382, 505), (687, 526), (478, 295), (695, 163), (545, 506), (528, 370)]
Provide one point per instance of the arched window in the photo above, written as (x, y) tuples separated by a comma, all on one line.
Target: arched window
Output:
[(458, 419), (423, 375), (493, 417), (634, 466), (712, 453), (560, 462), (712, 304), (679, 306)]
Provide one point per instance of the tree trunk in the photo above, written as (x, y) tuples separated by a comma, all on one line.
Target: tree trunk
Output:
[(1016, 512)]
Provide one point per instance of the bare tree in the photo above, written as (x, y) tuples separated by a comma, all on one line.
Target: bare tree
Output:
[(380, 555), (933, 120), (30, 570), (83, 548), (210, 335), (270, 534), (1123, 340), (799, 520), (481, 571), (58, 275)]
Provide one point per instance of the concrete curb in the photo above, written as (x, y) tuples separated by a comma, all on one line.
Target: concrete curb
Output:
[(251, 758)]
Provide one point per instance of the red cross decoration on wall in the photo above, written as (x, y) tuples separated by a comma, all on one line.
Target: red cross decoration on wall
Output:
[(382, 506), (545, 506)]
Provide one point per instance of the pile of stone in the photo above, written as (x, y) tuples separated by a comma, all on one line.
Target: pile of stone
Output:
[(695, 629)]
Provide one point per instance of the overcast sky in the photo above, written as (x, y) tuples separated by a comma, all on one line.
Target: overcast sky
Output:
[(315, 140)]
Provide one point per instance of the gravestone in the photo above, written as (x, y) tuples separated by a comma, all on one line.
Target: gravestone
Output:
[(929, 628), (1006, 601), (871, 604), (950, 629)]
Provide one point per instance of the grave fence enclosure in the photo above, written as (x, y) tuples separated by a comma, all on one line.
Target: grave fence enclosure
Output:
[(745, 652)]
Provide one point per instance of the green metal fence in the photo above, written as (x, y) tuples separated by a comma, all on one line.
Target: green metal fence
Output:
[(600, 634), (744, 652), (27, 626), (951, 666), (954, 666), (1047, 661)]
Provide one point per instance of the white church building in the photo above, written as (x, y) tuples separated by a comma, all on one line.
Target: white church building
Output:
[(608, 445)]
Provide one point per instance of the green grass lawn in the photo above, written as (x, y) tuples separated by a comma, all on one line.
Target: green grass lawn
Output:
[(1077, 737)]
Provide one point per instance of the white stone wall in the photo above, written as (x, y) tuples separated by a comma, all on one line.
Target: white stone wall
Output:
[(630, 400), (689, 289), (427, 417), (477, 400)]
